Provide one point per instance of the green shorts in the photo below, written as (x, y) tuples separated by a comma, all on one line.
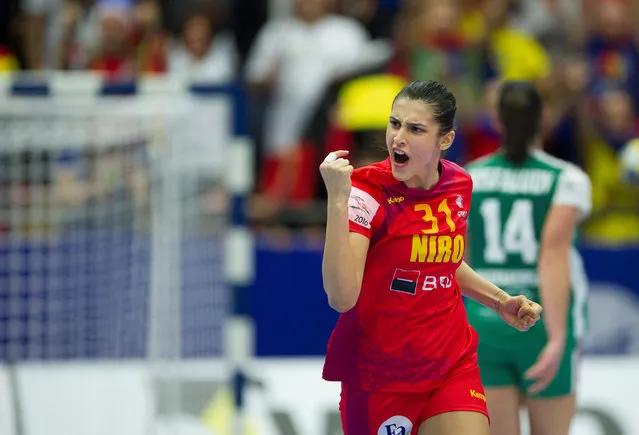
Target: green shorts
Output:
[(504, 363)]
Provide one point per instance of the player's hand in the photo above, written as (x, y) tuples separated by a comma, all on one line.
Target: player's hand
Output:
[(546, 367), (336, 172), (519, 312)]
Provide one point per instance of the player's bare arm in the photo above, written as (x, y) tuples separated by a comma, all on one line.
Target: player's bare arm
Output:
[(517, 311), (554, 290), (344, 252), (554, 268)]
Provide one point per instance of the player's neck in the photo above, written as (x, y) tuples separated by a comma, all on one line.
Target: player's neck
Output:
[(536, 144), (427, 180)]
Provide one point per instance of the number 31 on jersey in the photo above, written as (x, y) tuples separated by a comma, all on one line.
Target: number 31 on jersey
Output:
[(431, 247)]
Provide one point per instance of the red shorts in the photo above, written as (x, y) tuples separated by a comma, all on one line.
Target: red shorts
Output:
[(368, 413)]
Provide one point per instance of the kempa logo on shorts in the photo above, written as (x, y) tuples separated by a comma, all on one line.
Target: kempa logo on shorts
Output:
[(397, 425), (476, 395)]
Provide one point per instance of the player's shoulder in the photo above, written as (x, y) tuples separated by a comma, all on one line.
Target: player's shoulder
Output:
[(367, 192), (455, 172), (567, 171), (487, 161), (454, 168), (374, 176)]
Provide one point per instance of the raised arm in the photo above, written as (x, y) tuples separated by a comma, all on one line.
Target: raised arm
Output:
[(344, 252), (343, 262)]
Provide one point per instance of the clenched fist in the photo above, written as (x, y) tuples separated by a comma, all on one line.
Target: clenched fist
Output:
[(519, 312), (336, 172)]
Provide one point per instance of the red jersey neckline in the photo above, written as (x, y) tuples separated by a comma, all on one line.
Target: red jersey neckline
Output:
[(386, 165)]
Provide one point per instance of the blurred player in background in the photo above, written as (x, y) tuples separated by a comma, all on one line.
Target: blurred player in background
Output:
[(402, 348), (525, 210)]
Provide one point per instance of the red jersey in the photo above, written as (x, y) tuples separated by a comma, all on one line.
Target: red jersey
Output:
[(409, 325)]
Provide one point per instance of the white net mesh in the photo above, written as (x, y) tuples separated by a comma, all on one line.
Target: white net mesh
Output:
[(112, 214)]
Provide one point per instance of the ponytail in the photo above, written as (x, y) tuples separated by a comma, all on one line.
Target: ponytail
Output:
[(520, 110)]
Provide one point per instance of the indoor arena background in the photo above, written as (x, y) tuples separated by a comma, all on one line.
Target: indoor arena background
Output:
[(161, 213)]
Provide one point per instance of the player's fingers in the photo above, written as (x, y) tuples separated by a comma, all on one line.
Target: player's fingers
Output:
[(540, 385), (332, 156), (334, 166), (536, 371), (543, 377), (521, 304), (530, 317), (520, 325), (330, 163), (535, 307), (525, 326), (524, 310), (340, 163), (544, 367), (348, 169), (341, 153), (529, 309), (528, 322)]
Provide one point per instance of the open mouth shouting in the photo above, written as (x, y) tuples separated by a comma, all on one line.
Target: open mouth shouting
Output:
[(399, 157)]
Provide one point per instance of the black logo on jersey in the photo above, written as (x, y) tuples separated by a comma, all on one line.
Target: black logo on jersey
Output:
[(405, 281)]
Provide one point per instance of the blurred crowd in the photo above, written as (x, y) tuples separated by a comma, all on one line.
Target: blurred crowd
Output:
[(321, 75)]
